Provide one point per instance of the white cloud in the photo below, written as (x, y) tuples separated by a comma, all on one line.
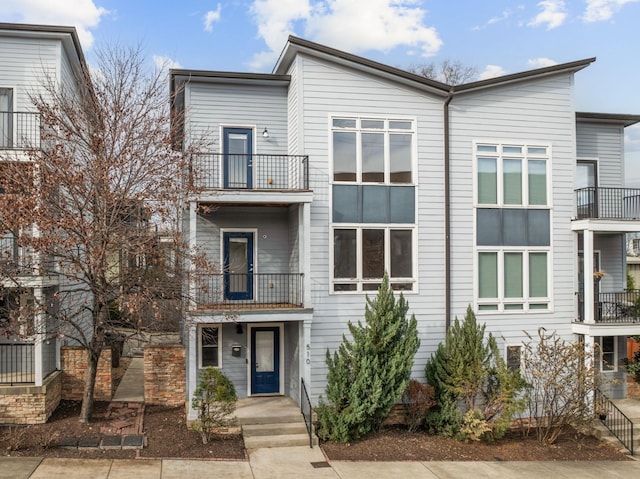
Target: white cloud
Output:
[(493, 20), (212, 16), (351, 25), (541, 62), (491, 71), (163, 62), (82, 14), (553, 14), (599, 10)]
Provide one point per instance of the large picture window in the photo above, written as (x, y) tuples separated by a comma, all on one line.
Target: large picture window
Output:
[(372, 150), (513, 227), (362, 255)]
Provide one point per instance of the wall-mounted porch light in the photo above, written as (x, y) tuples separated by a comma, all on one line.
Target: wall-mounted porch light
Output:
[(265, 133)]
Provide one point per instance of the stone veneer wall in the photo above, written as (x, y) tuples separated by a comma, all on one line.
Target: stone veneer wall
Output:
[(30, 404), (165, 374), (74, 364)]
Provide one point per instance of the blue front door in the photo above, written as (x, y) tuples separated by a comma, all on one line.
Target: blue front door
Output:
[(265, 361), (238, 265), (237, 145)]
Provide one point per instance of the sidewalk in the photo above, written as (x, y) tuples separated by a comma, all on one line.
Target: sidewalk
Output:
[(303, 462)]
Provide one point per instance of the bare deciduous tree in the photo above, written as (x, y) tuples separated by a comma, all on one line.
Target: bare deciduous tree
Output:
[(451, 72), (85, 202)]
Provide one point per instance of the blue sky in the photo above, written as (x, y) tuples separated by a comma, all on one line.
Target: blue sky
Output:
[(495, 36)]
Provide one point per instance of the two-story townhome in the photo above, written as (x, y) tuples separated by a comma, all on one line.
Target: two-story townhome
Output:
[(335, 169), (30, 56)]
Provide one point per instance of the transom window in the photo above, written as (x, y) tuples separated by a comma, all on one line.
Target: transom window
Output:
[(513, 227), (209, 341), (372, 150), (512, 175)]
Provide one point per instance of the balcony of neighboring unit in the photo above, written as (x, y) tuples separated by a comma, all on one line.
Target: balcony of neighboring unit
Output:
[(18, 361), (607, 209), (234, 292), (20, 262), (612, 313), (250, 178), (19, 130)]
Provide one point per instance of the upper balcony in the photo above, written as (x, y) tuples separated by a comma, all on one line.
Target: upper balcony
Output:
[(19, 130), (608, 203), (251, 178)]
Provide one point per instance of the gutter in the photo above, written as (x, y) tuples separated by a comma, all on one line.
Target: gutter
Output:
[(447, 214)]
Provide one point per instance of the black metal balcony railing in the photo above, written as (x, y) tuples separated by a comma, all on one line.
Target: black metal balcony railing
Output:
[(619, 307), (19, 130), (253, 291), (250, 172), (608, 203), (17, 364), (15, 259)]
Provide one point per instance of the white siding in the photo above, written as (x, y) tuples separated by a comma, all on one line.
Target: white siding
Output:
[(538, 111), (331, 90), (605, 143)]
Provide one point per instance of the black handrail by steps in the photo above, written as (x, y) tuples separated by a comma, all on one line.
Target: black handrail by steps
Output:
[(307, 411), (614, 420)]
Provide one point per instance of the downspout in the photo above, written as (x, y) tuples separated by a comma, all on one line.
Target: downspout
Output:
[(447, 214)]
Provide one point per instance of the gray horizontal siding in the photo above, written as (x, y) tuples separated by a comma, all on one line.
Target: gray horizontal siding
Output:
[(606, 143)]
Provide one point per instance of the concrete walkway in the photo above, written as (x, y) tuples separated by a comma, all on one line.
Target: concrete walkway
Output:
[(131, 388), (303, 462)]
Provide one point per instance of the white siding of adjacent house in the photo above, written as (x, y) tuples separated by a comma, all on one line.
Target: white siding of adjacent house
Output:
[(328, 90), (539, 111), (26, 65), (605, 143)]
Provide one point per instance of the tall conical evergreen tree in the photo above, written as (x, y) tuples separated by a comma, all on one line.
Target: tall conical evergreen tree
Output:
[(367, 376)]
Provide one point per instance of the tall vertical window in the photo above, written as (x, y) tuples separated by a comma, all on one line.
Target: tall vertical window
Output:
[(373, 203), (6, 118), (513, 227), (209, 342)]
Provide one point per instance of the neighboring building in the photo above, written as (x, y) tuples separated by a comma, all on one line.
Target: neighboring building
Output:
[(334, 169), (30, 350)]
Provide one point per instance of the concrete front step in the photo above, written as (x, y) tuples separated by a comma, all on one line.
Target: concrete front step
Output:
[(603, 433), (253, 430), (280, 440), (292, 417)]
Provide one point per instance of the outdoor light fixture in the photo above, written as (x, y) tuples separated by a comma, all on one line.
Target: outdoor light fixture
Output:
[(239, 328), (265, 133)]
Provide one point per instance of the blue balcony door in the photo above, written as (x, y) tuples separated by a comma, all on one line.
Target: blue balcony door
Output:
[(265, 360), (237, 144), (238, 265)]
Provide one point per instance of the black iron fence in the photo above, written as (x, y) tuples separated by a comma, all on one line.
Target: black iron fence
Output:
[(307, 411), (250, 172), (608, 203), (617, 307), (19, 130), (614, 420), (250, 291), (17, 363)]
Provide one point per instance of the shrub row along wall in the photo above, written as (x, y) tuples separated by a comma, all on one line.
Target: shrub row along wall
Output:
[(165, 374), (30, 404), (74, 365)]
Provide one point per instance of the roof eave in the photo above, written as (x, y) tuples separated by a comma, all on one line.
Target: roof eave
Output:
[(622, 119)]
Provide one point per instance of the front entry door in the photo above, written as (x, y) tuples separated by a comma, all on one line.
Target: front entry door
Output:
[(237, 147), (238, 265), (265, 361)]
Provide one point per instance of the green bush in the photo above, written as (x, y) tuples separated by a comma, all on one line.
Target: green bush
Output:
[(465, 369), (367, 376), (215, 401)]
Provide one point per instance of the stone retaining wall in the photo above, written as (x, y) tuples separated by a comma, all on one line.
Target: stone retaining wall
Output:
[(165, 374), (30, 404), (74, 365)]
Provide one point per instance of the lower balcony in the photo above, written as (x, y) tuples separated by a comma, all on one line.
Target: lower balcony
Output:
[(613, 308), (18, 361), (252, 291)]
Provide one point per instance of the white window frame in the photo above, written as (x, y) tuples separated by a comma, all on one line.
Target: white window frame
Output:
[(386, 131), (601, 351), (359, 281), (199, 339), (507, 347), (500, 172)]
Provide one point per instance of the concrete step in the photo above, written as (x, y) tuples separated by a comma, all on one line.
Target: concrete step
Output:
[(283, 418), (254, 430), (281, 440)]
